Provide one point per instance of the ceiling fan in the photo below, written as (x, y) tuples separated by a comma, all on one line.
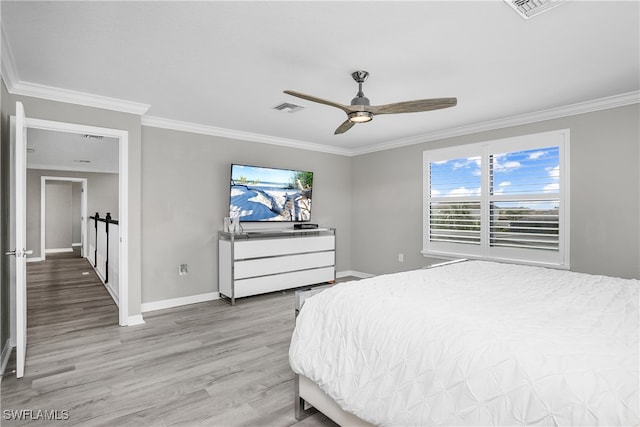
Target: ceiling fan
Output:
[(360, 110)]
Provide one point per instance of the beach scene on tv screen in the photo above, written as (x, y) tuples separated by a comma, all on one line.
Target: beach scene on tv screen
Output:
[(268, 194)]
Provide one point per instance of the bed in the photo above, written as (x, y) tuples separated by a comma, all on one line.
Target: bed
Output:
[(470, 343)]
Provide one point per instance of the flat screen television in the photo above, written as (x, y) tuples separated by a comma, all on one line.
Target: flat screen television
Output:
[(270, 194)]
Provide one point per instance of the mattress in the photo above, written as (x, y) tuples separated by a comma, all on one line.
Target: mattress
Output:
[(475, 343)]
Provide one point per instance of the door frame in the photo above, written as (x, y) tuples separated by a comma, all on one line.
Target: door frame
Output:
[(123, 197), (43, 212)]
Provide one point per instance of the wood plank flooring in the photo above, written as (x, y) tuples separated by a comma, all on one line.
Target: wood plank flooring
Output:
[(206, 364)]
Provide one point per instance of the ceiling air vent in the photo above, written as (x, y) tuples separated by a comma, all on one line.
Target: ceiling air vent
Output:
[(288, 108), (530, 8)]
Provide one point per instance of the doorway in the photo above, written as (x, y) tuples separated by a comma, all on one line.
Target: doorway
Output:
[(123, 185), (72, 192)]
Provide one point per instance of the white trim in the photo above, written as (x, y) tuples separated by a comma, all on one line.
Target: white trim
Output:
[(114, 297), (43, 214), (566, 195), (68, 169), (72, 128), (57, 250), (135, 320), (19, 87), (4, 357), (357, 274), (176, 302), (123, 198), (79, 98), (35, 259), (8, 68), (517, 120), (520, 119), (159, 122), (123, 228), (74, 245)]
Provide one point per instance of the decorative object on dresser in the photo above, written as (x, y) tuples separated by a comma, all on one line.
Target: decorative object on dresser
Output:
[(304, 226), (261, 261)]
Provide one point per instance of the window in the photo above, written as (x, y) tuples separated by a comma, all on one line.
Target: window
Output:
[(501, 200)]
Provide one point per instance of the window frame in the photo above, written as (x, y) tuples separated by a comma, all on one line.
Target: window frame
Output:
[(558, 259)]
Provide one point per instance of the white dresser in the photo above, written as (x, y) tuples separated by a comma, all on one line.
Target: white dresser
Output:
[(257, 262)]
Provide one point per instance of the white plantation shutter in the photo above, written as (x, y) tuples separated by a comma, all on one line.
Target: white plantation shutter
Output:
[(501, 200), (457, 222), (530, 225)]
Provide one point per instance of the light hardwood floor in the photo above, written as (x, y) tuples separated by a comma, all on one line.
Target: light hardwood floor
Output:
[(205, 364)]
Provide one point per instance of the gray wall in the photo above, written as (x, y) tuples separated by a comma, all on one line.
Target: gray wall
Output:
[(58, 199), (185, 195), (604, 203), (102, 197)]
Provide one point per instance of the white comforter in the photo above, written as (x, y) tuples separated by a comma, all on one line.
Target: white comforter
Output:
[(475, 343)]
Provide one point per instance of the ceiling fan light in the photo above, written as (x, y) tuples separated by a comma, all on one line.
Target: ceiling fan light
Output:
[(360, 116)]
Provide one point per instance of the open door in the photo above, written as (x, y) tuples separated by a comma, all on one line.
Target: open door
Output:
[(19, 178)]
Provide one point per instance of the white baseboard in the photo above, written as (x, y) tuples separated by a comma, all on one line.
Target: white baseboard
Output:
[(34, 259), (57, 250), (114, 297), (6, 353), (75, 245), (135, 320), (358, 274), (176, 302)]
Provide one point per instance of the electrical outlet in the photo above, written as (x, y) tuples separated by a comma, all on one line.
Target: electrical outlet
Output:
[(400, 257), (183, 270)]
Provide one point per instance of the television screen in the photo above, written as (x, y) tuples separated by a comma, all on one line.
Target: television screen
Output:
[(270, 194)]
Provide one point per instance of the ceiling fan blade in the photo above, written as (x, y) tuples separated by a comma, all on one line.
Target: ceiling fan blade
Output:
[(348, 124), (414, 106), (345, 108)]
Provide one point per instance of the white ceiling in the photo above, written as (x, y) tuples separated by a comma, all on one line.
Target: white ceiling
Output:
[(71, 152), (224, 65)]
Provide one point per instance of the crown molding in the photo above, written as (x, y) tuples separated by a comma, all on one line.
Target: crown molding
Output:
[(159, 122), (80, 98), (18, 87), (8, 69), (520, 119)]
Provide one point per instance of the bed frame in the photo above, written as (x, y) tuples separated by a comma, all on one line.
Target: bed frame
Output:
[(309, 397)]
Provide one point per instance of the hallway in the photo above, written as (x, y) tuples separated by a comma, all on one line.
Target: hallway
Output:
[(64, 294), (66, 301)]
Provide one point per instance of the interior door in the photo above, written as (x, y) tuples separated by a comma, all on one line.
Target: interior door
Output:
[(20, 252)]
